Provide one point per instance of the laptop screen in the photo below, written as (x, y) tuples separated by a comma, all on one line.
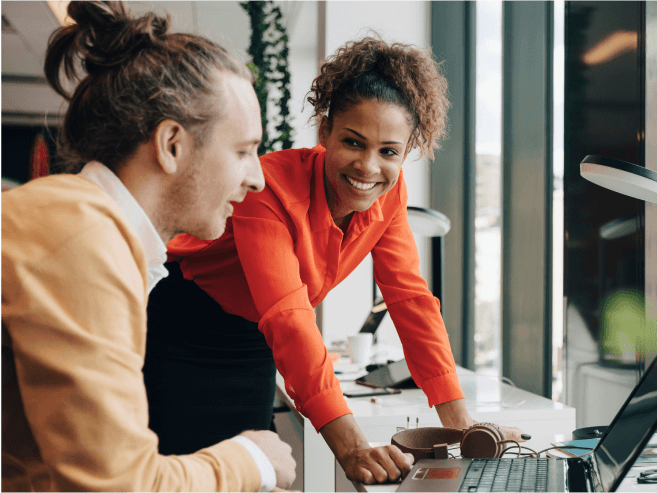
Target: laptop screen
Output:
[(629, 432)]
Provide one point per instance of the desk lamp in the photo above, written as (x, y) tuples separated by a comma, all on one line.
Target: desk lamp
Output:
[(435, 225), (620, 176)]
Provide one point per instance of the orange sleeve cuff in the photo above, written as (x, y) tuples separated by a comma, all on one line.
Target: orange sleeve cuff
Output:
[(325, 407), (443, 388), (309, 378)]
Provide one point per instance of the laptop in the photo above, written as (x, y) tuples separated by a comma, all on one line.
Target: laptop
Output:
[(602, 470)]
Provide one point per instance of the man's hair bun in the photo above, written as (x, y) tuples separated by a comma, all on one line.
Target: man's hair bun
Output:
[(130, 73), (104, 34)]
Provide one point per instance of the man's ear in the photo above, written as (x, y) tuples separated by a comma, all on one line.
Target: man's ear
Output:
[(324, 131), (172, 142)]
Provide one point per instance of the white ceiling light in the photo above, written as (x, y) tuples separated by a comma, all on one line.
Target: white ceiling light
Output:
[(620, 176)]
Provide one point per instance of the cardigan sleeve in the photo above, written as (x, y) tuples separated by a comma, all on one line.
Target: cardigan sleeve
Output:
[(414, 310), (266, 250), (76, 319)]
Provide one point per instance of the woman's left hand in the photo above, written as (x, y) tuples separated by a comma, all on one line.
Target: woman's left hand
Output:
[(513, 433), (454, 414)]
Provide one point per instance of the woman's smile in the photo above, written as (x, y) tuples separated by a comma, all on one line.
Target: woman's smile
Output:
[(361, 185)]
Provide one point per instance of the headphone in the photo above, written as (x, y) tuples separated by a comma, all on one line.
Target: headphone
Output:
[(480, 441)]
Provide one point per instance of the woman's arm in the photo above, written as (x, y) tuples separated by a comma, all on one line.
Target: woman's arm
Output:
[(360, 461), (417, 318)]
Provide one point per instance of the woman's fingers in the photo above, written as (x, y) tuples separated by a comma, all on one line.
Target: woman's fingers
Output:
[(403, 461), (513, 433), (379, 465)]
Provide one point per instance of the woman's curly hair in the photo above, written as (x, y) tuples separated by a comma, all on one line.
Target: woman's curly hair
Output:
[(404, 75)]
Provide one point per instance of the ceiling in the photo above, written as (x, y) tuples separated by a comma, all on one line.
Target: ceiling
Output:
[(27, 25)]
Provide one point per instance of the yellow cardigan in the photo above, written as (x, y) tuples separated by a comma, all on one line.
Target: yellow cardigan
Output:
[(74, 408)]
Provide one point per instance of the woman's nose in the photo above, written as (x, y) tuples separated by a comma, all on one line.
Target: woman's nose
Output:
[(367, 164)]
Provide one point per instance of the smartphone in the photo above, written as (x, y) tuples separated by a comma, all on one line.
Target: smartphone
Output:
[(369, 392)]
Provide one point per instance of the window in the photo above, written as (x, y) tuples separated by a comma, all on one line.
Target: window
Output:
[(557, 205), (488, 186)]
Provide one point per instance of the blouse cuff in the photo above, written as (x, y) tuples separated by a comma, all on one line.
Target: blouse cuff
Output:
[(325, 407), (443, 388)]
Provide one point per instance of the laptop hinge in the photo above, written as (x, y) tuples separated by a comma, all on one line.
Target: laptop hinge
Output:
[(578, 475)]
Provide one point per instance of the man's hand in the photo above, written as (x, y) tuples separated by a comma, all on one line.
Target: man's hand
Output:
[(376, 465), (360, 461), (279, 454)]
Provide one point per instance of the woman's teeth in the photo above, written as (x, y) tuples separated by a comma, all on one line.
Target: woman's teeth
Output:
[(360, 185)]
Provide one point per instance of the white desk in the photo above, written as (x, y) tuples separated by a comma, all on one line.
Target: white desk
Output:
[(487, 400)]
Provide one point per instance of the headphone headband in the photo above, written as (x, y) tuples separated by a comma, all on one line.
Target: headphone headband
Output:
[(479, 441), (421, 442)]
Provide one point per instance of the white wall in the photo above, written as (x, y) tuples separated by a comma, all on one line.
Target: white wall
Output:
[(346, 307), (301, 25)]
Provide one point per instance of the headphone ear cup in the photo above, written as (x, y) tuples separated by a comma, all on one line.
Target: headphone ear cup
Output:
[(480, 441)]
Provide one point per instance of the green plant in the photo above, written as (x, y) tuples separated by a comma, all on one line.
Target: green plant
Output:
[(269, 60)]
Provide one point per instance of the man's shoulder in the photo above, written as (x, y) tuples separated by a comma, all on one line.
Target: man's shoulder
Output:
[(68, 193), (45, 214)]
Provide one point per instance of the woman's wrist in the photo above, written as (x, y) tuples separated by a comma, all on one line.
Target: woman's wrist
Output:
[(343, 436), (454, 414)]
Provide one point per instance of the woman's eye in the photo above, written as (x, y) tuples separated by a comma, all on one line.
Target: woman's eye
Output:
[(352, 142), (389, 152)]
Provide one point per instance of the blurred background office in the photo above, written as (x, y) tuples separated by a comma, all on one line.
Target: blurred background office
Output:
[(549, 280)]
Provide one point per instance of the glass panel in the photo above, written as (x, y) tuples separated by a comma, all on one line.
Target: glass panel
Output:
[(557, 205), (488, 219), (604, 239)]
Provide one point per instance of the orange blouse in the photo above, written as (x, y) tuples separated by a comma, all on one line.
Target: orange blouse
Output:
[(282, 253)]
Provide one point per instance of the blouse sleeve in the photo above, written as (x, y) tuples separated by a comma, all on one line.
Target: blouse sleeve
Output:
[(415, 312), (266, 251)]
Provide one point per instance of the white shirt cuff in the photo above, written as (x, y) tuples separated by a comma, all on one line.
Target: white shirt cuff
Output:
[(267, 473)]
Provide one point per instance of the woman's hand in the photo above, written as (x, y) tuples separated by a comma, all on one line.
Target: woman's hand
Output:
[(454, 414), (376, 465), (361, 462), (513, 433)]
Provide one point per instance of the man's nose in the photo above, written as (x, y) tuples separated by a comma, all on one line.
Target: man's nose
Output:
[(254, 179)]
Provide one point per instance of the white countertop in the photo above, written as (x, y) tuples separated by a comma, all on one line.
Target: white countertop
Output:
[(487, 400)]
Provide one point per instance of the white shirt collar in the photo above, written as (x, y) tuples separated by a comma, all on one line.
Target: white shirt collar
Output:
[(156, 250)]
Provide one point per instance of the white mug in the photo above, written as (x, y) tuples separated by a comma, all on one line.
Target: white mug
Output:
[(360, 348)]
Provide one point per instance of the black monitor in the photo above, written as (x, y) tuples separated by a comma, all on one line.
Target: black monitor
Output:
[(375, 317), (631, 430)]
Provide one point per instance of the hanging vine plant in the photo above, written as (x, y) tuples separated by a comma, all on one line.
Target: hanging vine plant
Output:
[(269, 60)]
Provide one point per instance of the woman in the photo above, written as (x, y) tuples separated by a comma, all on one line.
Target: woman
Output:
[(160, 133), (251, 293)]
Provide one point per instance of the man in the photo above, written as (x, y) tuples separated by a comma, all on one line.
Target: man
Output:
[(81, 252)]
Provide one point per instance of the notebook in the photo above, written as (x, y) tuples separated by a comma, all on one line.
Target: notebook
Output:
[(603, 470), (649, 455)]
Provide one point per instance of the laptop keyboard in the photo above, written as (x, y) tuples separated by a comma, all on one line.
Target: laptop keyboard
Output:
[(506, 475)]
